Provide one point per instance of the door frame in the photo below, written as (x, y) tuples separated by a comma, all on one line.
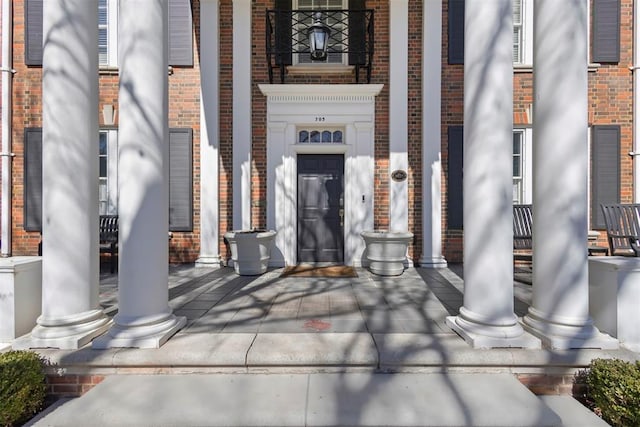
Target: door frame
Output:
[(289, 107)]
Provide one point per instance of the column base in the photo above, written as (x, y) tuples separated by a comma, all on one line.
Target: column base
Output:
[(68, 333), (149, 335), (437, 262), (208, 261), (490, 336), (564, 336)]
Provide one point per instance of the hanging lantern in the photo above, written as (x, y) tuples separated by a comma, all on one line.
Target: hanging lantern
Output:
[(318, 38)]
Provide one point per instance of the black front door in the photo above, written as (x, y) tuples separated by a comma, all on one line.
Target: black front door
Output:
[(320, 208)]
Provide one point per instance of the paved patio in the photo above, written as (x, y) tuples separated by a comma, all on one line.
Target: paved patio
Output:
[(240, 324), (319, 351)]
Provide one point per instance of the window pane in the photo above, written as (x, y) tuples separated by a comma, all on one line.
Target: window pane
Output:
[(517, 143), (303, 136), (103, 144), (315, 136), (103, 167), (326, 136), (337, 136)]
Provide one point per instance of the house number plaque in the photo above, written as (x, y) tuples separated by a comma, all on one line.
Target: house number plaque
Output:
[(398, 175)]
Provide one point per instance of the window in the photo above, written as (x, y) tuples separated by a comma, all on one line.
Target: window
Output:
[(522, 179), (317, 136), (108, 33), (336, 21), (108, 172), (517, 31), (518, 137), (523, 32)]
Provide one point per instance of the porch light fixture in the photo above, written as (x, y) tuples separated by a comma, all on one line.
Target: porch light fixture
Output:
[(318, 38)]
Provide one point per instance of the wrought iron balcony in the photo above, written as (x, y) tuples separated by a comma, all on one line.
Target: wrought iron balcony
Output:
[(350, 41)]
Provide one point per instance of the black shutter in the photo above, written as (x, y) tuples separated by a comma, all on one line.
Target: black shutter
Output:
[(180, 180), (456, 31), (605, 170), (454, 177), (283, 32), (357, 32), (33, 32), (33, 179), (180, 33), (606, 31)]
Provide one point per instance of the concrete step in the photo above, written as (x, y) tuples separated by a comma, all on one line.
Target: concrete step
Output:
[(322, 399)]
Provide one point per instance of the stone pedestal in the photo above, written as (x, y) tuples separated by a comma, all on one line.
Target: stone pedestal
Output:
[(20, 295), (614, 292)]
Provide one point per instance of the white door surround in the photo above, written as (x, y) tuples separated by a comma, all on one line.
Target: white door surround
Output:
[(351, 107)]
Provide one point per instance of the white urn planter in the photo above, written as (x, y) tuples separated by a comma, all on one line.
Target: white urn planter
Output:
[(386, 251), (250, 250)]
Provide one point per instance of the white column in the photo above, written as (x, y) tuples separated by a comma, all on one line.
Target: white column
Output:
[(559, 313), (398, 108), (241, 114), (431, 135), (209, 134), (487, 318), (7, 72), (144, 317), (71, 314)]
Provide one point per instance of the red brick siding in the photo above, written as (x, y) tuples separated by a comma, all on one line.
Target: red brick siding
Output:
[(610, 102)]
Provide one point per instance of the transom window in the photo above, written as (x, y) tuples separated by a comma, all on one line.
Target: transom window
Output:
[(338, 37), (320, 136)]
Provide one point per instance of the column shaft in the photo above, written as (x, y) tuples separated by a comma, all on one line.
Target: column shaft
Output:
[(144, 318), (431, 135), (559, 313), (242, 114), (209, 135), (487, 318), (398, 105), (71, 315)]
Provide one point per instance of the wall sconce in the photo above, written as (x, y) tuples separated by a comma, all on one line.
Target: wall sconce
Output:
[(318, 35)]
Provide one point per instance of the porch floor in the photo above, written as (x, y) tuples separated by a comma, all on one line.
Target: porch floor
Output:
[(319, 352), (270, 323)]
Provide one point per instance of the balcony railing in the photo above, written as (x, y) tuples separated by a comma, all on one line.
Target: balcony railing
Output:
[(350, 42)]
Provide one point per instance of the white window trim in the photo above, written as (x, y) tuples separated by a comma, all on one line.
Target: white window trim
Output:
[(112, 35), (527, 32), (112, 170), (527, 164)]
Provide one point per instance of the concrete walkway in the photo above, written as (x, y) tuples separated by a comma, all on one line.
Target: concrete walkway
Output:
[(296, 351), (348, 399)]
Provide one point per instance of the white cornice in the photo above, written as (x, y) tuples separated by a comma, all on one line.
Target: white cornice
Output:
[(320, 93)]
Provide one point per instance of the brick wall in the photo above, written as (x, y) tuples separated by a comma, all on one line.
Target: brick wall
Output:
[(610, 102)]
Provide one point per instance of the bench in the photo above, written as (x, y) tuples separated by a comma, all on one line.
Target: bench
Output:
[(109, 238), (623, 228), (522, 234)]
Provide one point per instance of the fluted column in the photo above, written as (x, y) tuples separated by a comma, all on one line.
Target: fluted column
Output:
[(487, 318), (209, 134), (559, 313), (71, 314), (144, 317), (431, 136)]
